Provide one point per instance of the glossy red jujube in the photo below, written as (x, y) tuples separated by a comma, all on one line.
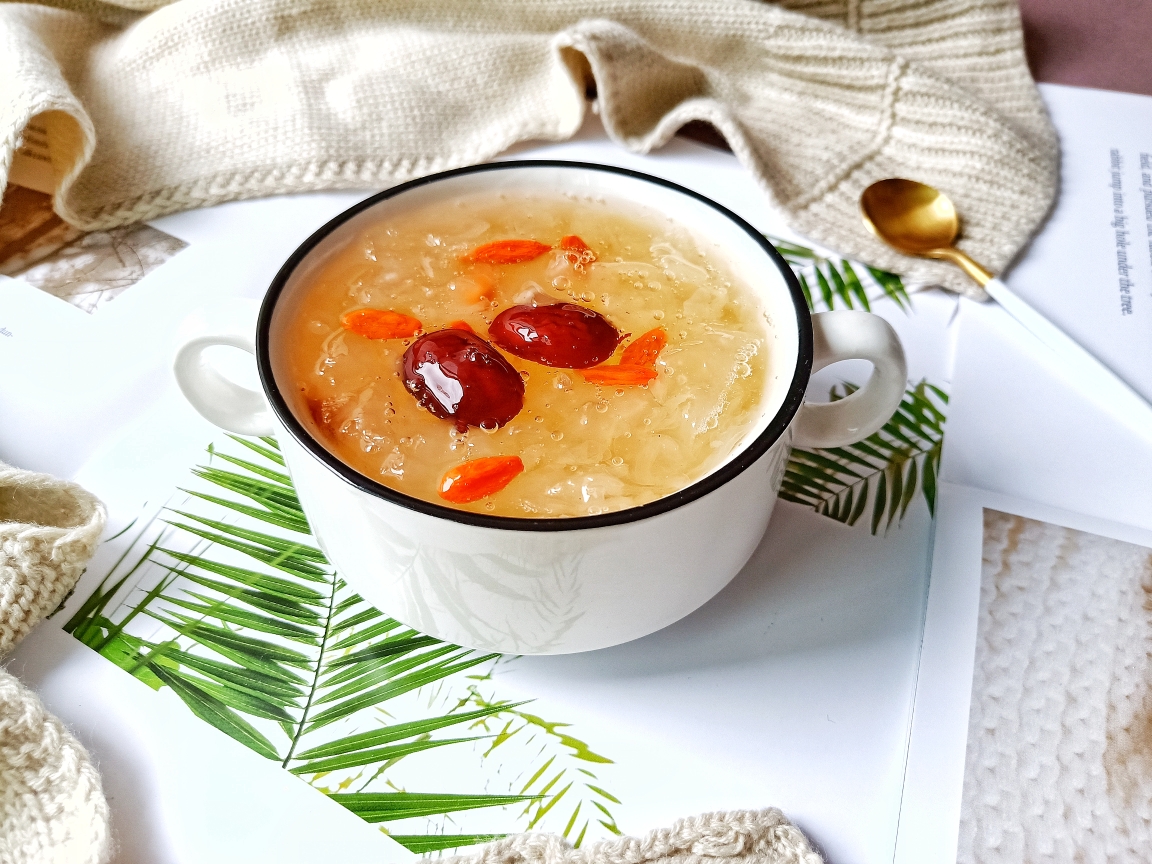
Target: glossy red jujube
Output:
[(561, 335), (458, 376)]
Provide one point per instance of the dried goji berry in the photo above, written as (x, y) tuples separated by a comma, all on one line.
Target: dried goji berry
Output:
[(578, 253), (574, 243), (645, 349), (619, 376), (461, 325), (507, 252), (380, 324), (478, 478)]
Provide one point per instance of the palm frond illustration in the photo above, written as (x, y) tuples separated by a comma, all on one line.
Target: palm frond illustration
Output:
[(553, 779), (226, 601), (883, 472), (832, 282)]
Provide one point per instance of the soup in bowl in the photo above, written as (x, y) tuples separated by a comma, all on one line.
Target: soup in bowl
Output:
[(541, 407), (528, 354)]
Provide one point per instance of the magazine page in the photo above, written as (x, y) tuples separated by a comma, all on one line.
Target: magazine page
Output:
[(1090, 268)]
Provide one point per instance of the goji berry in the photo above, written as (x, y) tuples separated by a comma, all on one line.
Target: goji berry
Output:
[(461, 325), (645, 349), (380, 324), (574, 243), (578, 253), (619, 376), (507, 252), (478, 289), (479, 478)]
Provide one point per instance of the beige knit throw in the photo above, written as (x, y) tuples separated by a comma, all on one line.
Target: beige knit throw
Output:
[(52, 808), (745, 836), (204, 101)]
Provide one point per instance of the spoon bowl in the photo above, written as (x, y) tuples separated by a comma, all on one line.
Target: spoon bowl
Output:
[(910, 216), (916, 219)]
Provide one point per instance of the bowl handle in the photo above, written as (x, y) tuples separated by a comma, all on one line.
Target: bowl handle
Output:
[(845, 335), (220, 401)]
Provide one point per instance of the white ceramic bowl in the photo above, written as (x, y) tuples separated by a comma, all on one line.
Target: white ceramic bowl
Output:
[(544, 586)]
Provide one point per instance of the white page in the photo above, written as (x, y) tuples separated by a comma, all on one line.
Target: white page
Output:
[(1018, 429), (1022, 440), (1090, 269)]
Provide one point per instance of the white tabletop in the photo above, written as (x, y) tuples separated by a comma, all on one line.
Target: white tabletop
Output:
[(792, 688)]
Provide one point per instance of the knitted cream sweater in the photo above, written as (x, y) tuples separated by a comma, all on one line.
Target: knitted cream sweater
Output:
[(203, 101), (52, 809)]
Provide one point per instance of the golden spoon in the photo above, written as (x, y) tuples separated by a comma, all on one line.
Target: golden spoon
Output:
[(919, 220)]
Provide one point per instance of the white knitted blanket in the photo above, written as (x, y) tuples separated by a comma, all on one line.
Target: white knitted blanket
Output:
[(134, 115), (52, 807), (1059, 762)]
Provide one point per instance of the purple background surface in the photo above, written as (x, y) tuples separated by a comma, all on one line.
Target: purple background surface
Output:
[(1105, 44)]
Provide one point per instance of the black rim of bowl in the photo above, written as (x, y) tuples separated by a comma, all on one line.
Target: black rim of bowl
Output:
[(745, 459)]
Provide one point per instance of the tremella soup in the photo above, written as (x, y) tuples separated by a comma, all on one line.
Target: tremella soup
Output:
[(528, 356)]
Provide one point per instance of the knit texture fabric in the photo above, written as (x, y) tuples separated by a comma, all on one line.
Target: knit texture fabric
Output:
[(48, 531), (1059, 759), (203, 101), (760, 836), (52, 808)]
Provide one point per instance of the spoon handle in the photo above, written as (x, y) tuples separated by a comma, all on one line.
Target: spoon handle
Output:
[(1077, 363)]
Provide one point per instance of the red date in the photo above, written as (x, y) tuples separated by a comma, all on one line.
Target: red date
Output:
[(458, 376), (562, 335)]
